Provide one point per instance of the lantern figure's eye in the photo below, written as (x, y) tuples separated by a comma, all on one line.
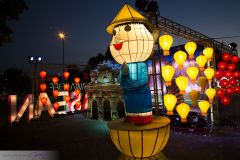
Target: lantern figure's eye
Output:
[(114, 32), (127, 28)]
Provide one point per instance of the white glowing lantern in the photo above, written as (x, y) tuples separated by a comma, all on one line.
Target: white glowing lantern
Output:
[(131, 43)]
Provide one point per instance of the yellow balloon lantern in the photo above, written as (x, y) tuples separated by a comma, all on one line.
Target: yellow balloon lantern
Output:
[(191, 47), (165, 41), (170, 102), (210, 92), (180, 57), (182, 83), (209, 73), (201, 61), (183, 110), (192, 72), (167, 73), (208, 52), (202, 82), (204, 106), (194, 96)]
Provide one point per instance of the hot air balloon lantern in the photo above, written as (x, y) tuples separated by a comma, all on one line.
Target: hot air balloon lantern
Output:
[(201, 61), (204, 106), (67, 99), (43, 74), (190, 47), (44, 100), (182, 83), (76, 80), (165, 42), (210, 92), (209, 73), (183, 109), (180, 57), (167, 74), (66, 87), (66, 75), (56, 106), (192, 73), (55, 93), (208, 52), (194, 96), (202, 82), (55, 80), (43, 87), (170, 102)]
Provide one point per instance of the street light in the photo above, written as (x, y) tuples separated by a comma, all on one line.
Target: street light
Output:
[(62, 36)]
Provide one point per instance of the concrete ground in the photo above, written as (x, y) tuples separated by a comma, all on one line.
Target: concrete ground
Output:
[(77, 138)]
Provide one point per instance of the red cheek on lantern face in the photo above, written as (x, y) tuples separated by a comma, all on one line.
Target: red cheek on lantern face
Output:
[(118, 46)]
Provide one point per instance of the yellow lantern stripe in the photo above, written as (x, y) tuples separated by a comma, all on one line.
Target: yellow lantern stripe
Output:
[(135, 140), (124, 142), (115, 138)]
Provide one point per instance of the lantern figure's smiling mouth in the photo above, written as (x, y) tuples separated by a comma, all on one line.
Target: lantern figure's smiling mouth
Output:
[(118, 46)]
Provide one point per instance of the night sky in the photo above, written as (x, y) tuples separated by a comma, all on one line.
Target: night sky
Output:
[(85, 21)]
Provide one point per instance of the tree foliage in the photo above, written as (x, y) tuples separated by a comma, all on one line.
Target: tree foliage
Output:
[(10, 10)]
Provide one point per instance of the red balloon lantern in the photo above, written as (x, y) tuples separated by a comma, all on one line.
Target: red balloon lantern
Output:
[(224, 83), (233, 81), (235, 59), (225, 100), (55, 93), (218, 74), (43, 87), (56, 106), (66, 87), (66, 75), (222, 65), (77, 91), (67, 99), (43, 74), (231, 66), (228, 74), (55, 80), (226, 57), (44, 100), (236, 74), (76, 80), (229, 91), (220, 93), (237, 89), (78, 104)]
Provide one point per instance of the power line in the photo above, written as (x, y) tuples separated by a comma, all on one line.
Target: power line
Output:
[(226, 37)]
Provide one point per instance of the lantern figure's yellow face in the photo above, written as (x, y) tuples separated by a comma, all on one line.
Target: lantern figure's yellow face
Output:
[(131, 43)]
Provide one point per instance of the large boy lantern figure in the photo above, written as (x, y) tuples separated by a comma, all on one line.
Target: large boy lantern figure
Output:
[(131, 45)]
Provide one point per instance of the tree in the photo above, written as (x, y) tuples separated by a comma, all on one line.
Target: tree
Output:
[(9, 10)]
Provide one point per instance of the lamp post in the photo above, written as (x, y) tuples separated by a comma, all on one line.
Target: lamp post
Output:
[(62, 36)]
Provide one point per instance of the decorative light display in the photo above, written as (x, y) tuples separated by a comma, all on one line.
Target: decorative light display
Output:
[(78, 104), (236, 74), (77, 91), (204, 106), (194, 96), (56, 106), (209, 73), (231, 66), (183, 110), (66, 75), (182, 83), (55, 93), (229, 91), (43, 74), (220, 93), (201, 61), (43, 87), (165, 42), (228, 74), (235, 59), (192, 72), (191, 47), (168, 73), (225, 100), (208, 52), (202, 82), (222, 65), (170, 102), (224, 83), (76, 80), (66, 87), (67, 99), (233, 81), (180, 57), (237, 89), (210, 92), (44, 100), (219, 74), (55, 80), (226, 57)]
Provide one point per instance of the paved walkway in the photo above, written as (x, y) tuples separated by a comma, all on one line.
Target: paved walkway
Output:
[(77, 138)]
